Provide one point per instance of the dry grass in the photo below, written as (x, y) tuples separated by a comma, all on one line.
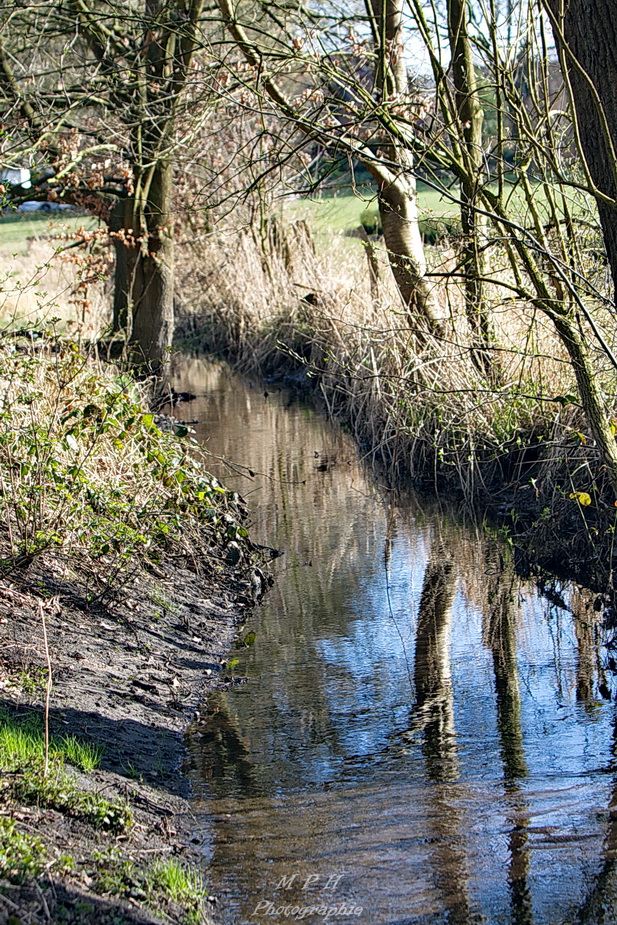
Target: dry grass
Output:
[(41, 284), (422, 409)]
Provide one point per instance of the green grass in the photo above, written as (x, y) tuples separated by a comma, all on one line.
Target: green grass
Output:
[(22, 757), (17, 228), (22, 745), (78, 752), (173, 878), (164, 881), (339, 214)]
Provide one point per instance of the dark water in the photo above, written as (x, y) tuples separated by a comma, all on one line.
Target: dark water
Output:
[(423, 738)]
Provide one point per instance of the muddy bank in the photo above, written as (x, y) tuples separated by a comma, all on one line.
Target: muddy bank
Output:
[(127, 676)]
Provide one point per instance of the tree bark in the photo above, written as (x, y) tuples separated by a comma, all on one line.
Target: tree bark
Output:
[(398, 209), (397, 195), (470, 118), (153, 277), (586, 35), (126, 253)]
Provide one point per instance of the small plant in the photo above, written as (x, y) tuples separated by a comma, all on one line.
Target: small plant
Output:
[(115, 875), (62, 794), (181, 884), (81, 754), (32, 680), (134, 772), (162, 600), (21, 856), (232, 665), (163, 882)]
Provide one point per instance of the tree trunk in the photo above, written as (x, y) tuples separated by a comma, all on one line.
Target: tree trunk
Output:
[(153, 282), (398, 209), (397, 196), (586, 35), (126, 254), (470, 118)]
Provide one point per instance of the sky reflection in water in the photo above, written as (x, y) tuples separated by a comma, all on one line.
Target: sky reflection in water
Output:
[(418, 720)]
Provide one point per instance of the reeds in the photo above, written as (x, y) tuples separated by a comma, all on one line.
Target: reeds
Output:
[(415, 403)]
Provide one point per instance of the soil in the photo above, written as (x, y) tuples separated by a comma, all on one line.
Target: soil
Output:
[(127, 674)]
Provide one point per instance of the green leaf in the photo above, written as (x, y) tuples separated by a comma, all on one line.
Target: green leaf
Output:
[(249, 639)]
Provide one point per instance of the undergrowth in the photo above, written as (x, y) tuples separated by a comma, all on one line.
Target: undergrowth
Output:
[(21, 855), (86, 474), (416, 404)]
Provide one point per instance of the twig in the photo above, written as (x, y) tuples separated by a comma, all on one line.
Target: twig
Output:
[(48, 687), (43, 901)]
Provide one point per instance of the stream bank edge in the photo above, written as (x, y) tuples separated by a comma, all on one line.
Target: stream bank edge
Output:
[(127, 678)]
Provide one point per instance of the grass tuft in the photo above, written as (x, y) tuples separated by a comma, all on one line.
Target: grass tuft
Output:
[(81, 754), (183, 885), (22, 757), (22, 745), (163, 882)]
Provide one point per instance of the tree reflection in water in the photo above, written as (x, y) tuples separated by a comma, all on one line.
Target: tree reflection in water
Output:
[(420, 719)]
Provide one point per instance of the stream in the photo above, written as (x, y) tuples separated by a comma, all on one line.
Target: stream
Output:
[(423, 736)]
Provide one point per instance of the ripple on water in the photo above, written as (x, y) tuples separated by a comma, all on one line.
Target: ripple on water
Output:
[(422, 736)]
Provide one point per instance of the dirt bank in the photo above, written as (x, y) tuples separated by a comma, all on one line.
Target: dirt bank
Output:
[(127, 675)]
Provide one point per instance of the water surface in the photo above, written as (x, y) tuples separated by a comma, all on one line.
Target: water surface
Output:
[(423, 737)]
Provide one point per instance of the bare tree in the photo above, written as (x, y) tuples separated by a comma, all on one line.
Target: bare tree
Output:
[(99, 128), (586, 38), (349, 114)]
